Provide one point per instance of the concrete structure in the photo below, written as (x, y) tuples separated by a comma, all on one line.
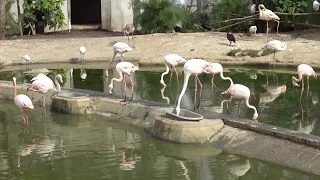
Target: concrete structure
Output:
[(105, 14)]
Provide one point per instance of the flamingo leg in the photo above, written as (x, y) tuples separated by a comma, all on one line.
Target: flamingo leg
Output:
[(308, 82), (24, 120), (132, 85), (239, 107), (267, 30), (176, 74), (114, 55), (212, 82), (302, 89), (199, 101), (44, 100), (278, 26), (274, 58), (170, 75), (195, 91), (199, 82)]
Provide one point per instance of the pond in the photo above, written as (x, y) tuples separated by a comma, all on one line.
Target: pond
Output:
[(58, 146), (284, 109)]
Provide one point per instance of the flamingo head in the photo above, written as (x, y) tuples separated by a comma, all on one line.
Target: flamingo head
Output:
[(59, 78), (255, 115), (178, 110), (134, 68), (14, 80), (30, 106), (315, 74), (261, 7), (129, 49), (110, 89), (26, 58)]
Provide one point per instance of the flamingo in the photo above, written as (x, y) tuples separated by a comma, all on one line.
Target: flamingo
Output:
[(171, 60), (276, 45), (192, 67), (21, 101), (303, 70), (316, 5), (129, 29), (241, 92), (82, 50), (253, 30), (69, 24), (121, 48), (42, 84), (267, 15), (252, 8), (27, 59), (215, 69), (124, 68)]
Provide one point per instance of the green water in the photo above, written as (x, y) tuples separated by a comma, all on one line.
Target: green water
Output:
[(281, 109), (57, 146)]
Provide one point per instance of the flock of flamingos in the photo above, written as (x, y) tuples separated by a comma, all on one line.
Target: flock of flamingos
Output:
[(42, 84)]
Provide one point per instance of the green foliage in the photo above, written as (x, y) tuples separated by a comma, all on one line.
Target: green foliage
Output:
[(233, 52), (49, 10), (291, 6), (249, 52), (160, 15), (12, 27), (226, 9)]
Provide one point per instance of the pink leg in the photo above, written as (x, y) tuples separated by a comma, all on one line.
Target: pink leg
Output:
[(212, 82), (195, 90), (267, 31), (302, 89), (170, 76), (308, 82), (199, 82), (27, 119), (132, 85), (278, 26), (176, 75)]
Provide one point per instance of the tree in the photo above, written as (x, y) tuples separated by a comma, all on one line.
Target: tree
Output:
[(2, 19)]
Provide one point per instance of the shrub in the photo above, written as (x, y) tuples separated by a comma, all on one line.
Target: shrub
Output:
[(160, 15)]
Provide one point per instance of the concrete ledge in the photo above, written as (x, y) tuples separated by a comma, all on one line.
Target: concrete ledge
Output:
[(72, 106), (185, 131), (275, 131)]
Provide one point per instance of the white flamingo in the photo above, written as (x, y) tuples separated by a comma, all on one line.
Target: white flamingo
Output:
[(42, 84), (215, 69), (82, 50), (303, 70), (83, 74), (316, 5), (276, 45), (22, 101), (241, 92), (119, 48), (171, 60), (27, 59), (253, 30), (252, 8), (192, 67), (124, 68), (129, 29), (267, 15)]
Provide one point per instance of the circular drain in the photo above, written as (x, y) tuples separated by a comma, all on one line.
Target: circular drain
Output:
[(74, 95)]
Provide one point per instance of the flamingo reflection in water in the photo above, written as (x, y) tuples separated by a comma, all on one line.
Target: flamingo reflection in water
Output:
[(129, 163), (238, 167), (272, 92), (305, 113)]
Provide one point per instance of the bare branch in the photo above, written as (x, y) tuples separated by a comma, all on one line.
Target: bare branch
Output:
[(237, 19), (218, 29), (303, 24)]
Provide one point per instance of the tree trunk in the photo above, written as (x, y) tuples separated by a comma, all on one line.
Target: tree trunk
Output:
[(199, 6), (19, 19), (2, 19)]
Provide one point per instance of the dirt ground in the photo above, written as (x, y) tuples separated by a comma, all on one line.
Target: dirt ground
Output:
[(303, 47)]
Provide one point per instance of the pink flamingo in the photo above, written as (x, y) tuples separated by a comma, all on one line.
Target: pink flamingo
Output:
[(171, 60), (119, 48), (192, 67), (239, 91), (22, 101), (267, 15), (215, 69), (42, 84), (127, 68), (303, 70)]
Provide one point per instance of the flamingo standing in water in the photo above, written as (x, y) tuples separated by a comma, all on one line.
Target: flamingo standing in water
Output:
[(192, 67), (241, 92), (22, 101), (82, 52), (27, 59), (171, 60), (215, 69), (124, 68), (119, 48), (303, 70), (42, 84), (267, 15)]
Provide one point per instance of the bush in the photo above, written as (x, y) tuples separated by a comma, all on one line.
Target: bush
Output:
[(160, 15)]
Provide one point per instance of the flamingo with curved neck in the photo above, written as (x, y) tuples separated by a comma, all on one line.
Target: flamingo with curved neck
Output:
[(215, 69)]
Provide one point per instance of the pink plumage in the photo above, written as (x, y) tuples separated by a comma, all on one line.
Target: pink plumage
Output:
[(171, 60), (22, 101)]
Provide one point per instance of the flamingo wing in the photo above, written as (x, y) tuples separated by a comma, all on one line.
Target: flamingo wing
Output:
[(23, 101), (272, 15)]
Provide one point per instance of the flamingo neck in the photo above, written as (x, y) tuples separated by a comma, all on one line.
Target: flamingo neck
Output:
[(185, 84), (226, 78), (58, 87), (164, 73), (251, 107), (117, 79)]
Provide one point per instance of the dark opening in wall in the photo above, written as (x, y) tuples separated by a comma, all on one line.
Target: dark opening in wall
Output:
[(85, 12)]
